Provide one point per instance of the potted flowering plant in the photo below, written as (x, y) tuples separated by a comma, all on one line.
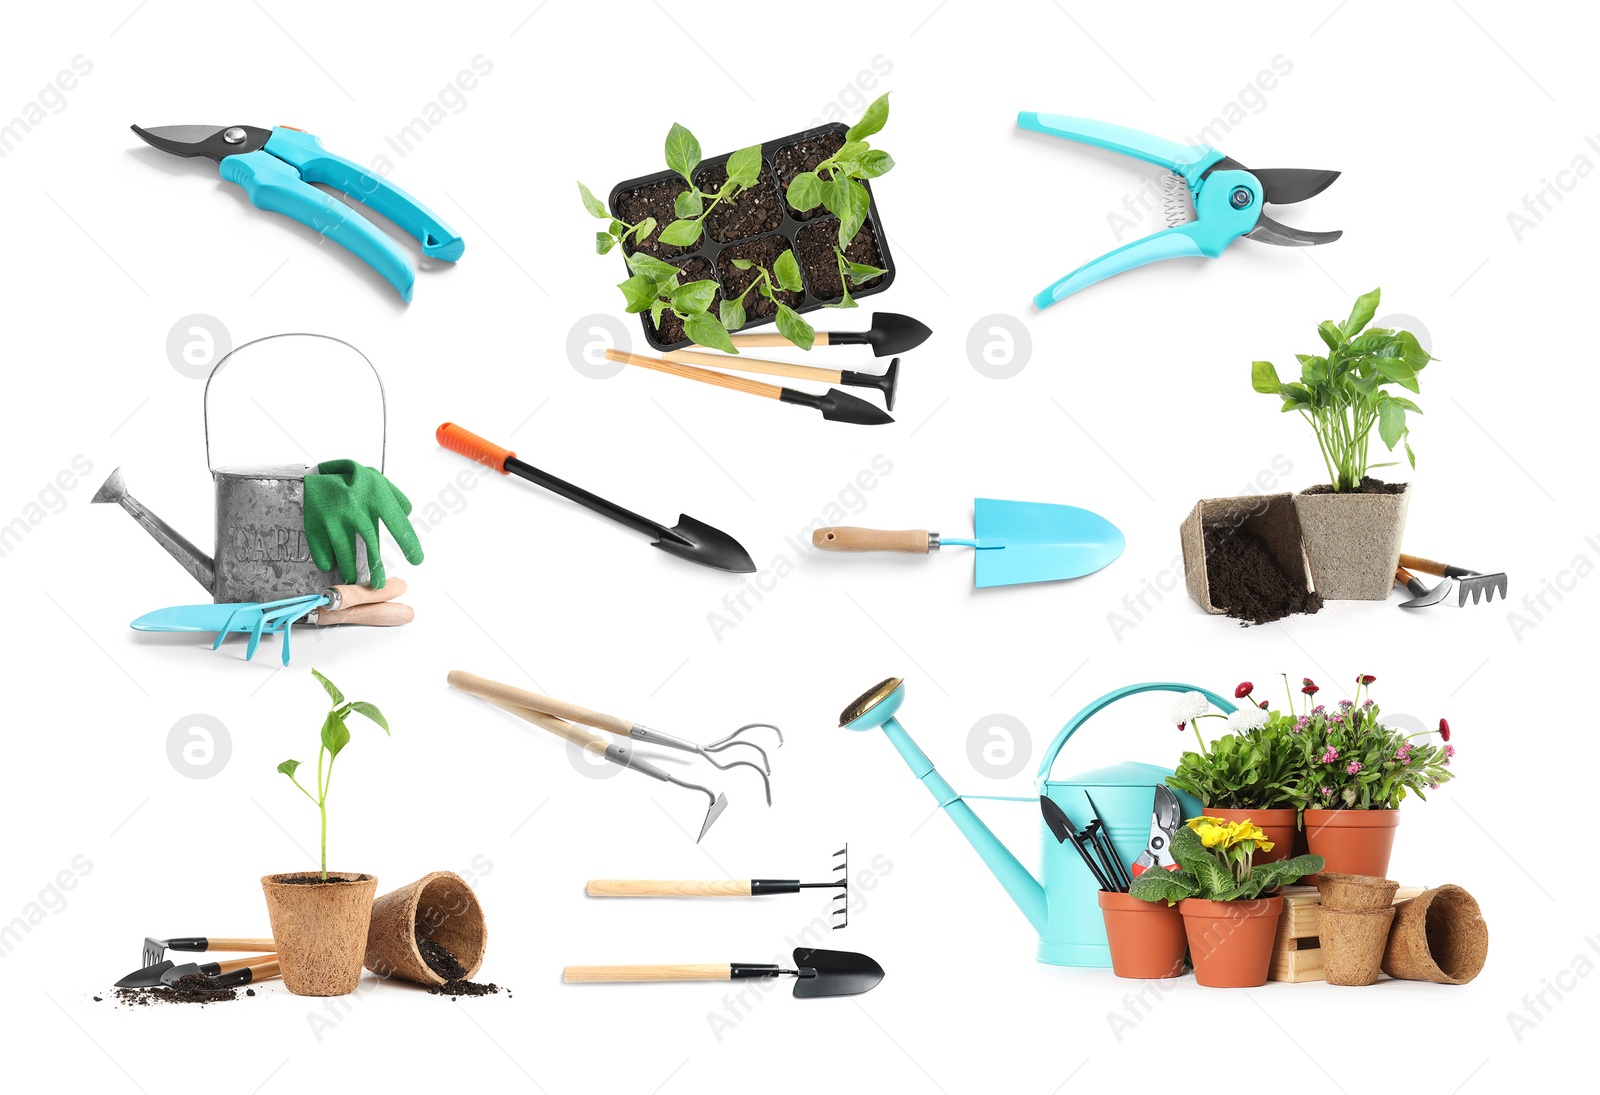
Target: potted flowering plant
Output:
[(1352, 773), (1227, 900), (1352, 524), (1247, 774)]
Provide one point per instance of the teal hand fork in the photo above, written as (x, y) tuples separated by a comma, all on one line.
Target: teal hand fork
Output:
[(1228, 200)]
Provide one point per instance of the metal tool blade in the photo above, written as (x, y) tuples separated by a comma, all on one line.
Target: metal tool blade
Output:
[(1044, 542), (1481, 585), (178, 973), (1268, 230), (891, 333), (1287, 185), (718, 804), (215, 141), (1437, 595), (698, 542), (834, 973), (145, 978)]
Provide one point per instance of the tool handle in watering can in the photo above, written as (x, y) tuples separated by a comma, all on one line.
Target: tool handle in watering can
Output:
[(1226, 706)]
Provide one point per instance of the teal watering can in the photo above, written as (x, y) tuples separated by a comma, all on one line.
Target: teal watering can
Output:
[(1062, 907)]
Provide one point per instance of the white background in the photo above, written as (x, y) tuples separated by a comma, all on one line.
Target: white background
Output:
[(1135, 401)]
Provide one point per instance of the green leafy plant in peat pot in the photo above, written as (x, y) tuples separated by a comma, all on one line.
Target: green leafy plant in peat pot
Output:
[(1352, 525), (320, 919), (1248, 773), (1227, 900), (757, 236), (1352, 773)]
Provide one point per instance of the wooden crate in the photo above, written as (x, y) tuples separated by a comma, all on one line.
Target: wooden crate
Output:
[(1296, 955)]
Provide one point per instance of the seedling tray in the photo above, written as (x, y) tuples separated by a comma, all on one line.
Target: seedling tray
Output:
[(759, 224)]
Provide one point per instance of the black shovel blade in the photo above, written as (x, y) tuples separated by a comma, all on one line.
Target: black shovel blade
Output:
[(837, 406), (834, 973), (147, 978), (893, 333), (1055, 818), (698, 542)]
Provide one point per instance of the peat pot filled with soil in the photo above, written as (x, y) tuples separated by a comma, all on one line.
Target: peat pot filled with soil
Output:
[(320, 927), (1244, 557), (1352, 537)]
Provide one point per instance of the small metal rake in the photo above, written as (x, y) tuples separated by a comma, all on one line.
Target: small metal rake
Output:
[(733, 887)]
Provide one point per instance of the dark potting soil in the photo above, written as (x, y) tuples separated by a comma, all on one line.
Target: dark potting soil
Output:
[(1246, 581), (814, 246), (318, 880), (763, 252), (194, 988), (1368, 485), (695, 269), (792, 159), (756, 210), (448, 966), (655, 201)]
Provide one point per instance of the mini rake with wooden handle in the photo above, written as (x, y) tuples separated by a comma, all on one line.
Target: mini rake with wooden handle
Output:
[(749, 887)]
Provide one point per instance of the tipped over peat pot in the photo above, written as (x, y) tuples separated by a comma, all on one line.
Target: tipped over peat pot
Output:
[(1353, 538), (758, 225), (437, 908), (320, 927), (1245, 557), (1438, 936)]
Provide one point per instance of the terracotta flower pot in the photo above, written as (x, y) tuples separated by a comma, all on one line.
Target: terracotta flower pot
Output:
[(1146, 937), (1352, 841), (1279, 825), (440, 907), (1230, 942), (1352, 942), (1352, 541), (320, 928), (1355, 892)]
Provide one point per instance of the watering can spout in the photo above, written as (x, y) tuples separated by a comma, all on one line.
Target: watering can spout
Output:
[(876, 708), (191, 558)]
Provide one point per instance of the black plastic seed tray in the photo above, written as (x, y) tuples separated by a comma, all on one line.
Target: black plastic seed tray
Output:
[(759, 225)]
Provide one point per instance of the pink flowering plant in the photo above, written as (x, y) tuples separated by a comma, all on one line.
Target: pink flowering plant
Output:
[(1346, 759)]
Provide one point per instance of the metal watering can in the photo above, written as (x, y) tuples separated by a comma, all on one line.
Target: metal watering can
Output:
[(261, 551), (1063, 907)]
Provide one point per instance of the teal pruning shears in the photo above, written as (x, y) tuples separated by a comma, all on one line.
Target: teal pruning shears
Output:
[(276, 168), (1228, 200)]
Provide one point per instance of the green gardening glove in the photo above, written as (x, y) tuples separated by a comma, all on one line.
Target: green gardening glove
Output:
[(346, 500)]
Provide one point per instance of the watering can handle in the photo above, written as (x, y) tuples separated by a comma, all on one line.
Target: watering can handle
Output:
[(383, 398), (1110, 698)]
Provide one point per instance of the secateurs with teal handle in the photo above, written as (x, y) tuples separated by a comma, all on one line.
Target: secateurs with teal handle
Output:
[(1228, 200), (276, 168)]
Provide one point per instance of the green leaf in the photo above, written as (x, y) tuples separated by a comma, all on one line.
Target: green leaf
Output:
[(792, 327), (836, 194), (681, 233), (333, 693), (1331, 334), (707, 330), (1162, 885), (1264, 378), (1391, 422), (786, 271), (848, 155), (688, 204), (861, 272), (1412, 457), (873, 164), (362, 707), (1187, 848), (731, 312), (593, 204), (744, 166), (638, 292), (742, 264), (805, 191), (694, 297), (288, 767), (1216, 882), (682, 152), (655, 269), (335, 734), (642, 230), (855, 216), (604, 242), (872, 120), (1361, 315), (657, 308)]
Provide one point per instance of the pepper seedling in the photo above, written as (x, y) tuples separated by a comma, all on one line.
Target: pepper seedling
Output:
[(335, 736), (835, 183), (786, 272), (654, 287)]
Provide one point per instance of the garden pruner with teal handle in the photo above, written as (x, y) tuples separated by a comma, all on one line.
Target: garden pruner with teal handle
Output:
[(1228, 200), (276, 168)]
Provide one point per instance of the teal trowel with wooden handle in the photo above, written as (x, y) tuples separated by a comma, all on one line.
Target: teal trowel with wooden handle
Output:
[(1014, 542)]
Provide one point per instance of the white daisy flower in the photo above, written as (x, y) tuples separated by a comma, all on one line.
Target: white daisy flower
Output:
[(1249, 717), (1188, 707)]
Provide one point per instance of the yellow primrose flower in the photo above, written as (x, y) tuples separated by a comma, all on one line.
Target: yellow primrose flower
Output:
[(1212, 831)]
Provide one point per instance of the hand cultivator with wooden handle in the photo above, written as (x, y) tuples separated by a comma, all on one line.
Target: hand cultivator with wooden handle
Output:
[(554, 715)]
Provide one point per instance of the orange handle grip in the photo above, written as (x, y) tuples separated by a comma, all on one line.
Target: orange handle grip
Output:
[(473, 447)]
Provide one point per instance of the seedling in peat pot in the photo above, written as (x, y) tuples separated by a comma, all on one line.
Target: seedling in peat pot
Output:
[(335, 736)]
